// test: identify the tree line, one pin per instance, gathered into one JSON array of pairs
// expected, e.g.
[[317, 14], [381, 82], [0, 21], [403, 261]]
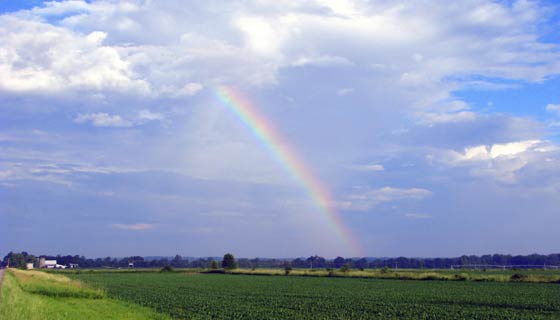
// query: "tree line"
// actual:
[[18, 260]]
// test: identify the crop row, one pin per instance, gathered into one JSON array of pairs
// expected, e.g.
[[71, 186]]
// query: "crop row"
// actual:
[[244, 297]]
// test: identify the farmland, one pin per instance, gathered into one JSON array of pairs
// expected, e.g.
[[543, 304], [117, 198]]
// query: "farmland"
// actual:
[[227, 296], [32, 295]]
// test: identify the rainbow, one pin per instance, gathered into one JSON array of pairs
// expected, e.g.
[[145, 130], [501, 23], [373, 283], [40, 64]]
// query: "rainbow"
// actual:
[[264, 132]]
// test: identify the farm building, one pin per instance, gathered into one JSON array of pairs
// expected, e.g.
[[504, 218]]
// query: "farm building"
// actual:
[[29, 266], [51, 264]]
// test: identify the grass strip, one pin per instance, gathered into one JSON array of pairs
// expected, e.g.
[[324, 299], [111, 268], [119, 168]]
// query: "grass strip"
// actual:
[[33, 299]]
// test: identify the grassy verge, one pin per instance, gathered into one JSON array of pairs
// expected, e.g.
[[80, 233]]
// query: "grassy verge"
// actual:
[[124, 271], [402, 274], [37, 295], [54, 286], [527, 275]]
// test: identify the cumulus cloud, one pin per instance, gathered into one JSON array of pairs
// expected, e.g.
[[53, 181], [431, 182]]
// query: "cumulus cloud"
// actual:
[[365, 198], [510, 150], [37, 56], [502, 161], [274, 37]]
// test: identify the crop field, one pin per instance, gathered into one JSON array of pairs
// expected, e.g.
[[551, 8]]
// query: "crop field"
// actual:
[[227, 296]]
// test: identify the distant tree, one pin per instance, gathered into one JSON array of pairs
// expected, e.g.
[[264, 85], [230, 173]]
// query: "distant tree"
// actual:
[[361, 263], [213, 265], [338, 262], [166, 269], [287, 270], [316, 262], [345, 267], [177, 262], [299, 263], [228, 262], [16, 260]]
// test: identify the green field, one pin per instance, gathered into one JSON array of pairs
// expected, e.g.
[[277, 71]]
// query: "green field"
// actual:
[[33, 295], [226, 296]]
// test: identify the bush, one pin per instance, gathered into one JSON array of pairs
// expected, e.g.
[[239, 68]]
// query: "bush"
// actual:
[[385, 269], [166, 269], [216, 271], [459, 277], [345, 267], [518, 277], [213, 265], [287, 270]]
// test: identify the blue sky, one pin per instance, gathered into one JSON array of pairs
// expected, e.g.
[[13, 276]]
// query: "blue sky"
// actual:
[[434, 126]]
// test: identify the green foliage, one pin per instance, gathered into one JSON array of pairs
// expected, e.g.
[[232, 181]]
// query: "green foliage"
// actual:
[[166, 269], [287, 270], [460, 277], [19, 260], [518, 277], [213, 265], [385, 269], [201, 296], [228, 262], [345, 267]]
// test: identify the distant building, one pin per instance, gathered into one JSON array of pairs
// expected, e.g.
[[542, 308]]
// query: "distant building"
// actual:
[[73, 266], [51, 264], [41, 262], [29, 266]]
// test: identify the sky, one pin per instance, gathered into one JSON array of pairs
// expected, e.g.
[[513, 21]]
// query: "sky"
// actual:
[[353, 127]]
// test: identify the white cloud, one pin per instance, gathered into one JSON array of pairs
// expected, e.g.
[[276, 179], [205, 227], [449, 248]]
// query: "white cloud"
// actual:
[[344, 91], [191, 89], [124, 46], [368, 167], [261, 36], [435, 118], [508, 150], [147, 115], [34, 166], [96, 37], [501, 161], [36, 56], [417, 216], [512, 148], [133, 227], [365, 198], [553, 108], [322, 61], [103, 120]]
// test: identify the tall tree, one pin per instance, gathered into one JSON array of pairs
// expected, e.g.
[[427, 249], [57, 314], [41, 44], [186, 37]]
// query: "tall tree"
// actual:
[[229, 261]]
